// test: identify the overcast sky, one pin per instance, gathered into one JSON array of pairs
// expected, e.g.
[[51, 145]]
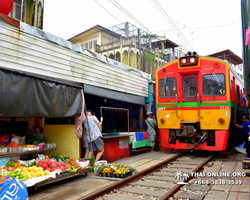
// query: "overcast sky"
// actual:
[[205, 26]]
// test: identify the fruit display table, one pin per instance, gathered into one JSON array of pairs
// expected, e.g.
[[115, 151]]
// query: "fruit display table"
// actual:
[[62, 176]]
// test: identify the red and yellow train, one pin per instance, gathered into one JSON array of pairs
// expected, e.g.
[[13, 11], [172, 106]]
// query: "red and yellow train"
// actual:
[[197, 100]]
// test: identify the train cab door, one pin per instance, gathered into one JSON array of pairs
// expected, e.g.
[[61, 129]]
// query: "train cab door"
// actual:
[[189, 95], [190, 88]]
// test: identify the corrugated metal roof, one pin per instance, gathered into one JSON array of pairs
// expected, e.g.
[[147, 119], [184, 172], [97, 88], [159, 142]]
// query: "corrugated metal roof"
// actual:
[[37, 52], [228, 55]]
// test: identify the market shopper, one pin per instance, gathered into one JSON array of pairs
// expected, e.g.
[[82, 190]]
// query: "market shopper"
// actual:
[[151, 123], [94, 135], [85, 142], [246, 129]]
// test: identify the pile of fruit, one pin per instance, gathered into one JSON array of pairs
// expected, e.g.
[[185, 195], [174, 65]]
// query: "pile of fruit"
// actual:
[[52, 166], [36, 169], [117, 171]]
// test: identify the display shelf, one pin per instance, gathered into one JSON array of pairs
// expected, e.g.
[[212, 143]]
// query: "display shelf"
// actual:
[[19, 153], [62, 177]]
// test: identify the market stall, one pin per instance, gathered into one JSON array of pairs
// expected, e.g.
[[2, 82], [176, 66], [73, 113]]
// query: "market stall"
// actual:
[[116, 144], [116, 147], [44, 170]]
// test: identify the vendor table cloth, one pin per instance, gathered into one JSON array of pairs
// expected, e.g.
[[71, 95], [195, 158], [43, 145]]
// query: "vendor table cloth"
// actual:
[[143, 143]]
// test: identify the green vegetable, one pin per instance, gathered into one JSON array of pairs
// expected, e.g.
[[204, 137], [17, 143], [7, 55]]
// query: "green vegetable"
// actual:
[[10, 164], [25, 178], [59, 157]]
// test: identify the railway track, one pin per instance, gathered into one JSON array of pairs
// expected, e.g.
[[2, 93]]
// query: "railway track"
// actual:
[[161, 181]]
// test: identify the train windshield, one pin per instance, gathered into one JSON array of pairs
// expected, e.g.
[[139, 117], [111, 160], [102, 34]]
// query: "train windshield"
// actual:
[[213, 84], [167, 87]]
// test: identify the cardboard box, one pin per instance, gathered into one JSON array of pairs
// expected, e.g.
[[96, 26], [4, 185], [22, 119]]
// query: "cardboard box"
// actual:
[[3, 161], [132, 137]]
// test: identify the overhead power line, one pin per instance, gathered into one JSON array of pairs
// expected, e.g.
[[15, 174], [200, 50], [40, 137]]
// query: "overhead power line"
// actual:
[[129, 15], [202, 27], [107, 11], [171, 23]]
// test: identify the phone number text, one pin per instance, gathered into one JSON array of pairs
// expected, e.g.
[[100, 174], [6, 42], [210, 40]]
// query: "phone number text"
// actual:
[[218, 182]]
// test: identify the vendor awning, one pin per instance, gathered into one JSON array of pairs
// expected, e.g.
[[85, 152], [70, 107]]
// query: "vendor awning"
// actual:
[[29, 96], [111, 94]]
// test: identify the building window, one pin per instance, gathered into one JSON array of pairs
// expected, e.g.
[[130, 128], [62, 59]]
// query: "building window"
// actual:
[[86, 46], [95, 42], [90, 45], [17, 9]]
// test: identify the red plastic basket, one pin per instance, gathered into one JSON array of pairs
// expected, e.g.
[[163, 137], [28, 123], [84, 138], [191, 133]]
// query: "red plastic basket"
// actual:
[[40, 146]]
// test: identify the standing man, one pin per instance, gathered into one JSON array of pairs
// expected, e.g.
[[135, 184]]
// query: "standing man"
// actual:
[[245, 127], [94, 135], [151, 123]]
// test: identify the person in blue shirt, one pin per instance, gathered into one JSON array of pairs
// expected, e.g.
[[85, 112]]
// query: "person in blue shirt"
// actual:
[[246, 129]]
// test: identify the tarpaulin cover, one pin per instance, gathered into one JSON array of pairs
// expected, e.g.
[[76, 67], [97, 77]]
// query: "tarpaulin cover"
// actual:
[[245, 18], [27, 96], [111, 94], [12, 188]]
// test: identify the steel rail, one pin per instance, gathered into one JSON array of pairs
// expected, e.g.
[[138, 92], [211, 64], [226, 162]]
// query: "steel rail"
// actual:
[[126, 180], [173, 190]]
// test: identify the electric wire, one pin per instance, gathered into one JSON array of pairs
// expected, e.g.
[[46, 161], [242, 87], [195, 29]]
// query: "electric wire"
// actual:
[[172, 23], [107, 11], [203, 27], [129, 15]]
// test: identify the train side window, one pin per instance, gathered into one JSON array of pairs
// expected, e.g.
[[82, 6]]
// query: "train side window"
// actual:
[[237, 94], [214, 85], [167, 87]]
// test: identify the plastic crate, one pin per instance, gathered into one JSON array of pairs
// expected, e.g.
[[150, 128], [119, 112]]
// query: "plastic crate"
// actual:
[[145, 135], [122, 175], [14, 149], [106, 174], [3, 150], [139, 136], [51, 145]]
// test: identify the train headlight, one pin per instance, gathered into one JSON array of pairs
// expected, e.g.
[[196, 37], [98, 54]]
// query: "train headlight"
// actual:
[[221, 121], [192, 60], [188, 61], [183, 61], [162, 120]]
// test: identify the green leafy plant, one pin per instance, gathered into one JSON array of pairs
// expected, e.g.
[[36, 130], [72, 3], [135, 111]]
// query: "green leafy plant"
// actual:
[[38, 138], [149, 58]]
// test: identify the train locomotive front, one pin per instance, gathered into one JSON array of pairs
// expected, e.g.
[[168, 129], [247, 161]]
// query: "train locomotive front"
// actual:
[[197, 100]]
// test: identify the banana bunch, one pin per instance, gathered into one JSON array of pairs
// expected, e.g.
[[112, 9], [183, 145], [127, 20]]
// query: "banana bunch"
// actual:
[[17, 174]]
